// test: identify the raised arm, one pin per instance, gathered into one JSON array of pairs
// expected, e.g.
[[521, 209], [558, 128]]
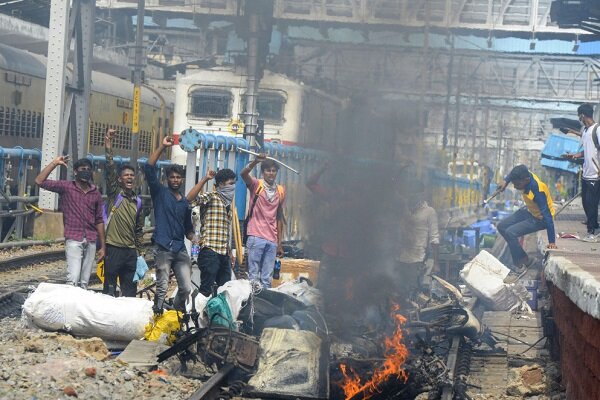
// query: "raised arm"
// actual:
[[246, 171], [166, 143], [112, 183], [199, 187], [43, 175]]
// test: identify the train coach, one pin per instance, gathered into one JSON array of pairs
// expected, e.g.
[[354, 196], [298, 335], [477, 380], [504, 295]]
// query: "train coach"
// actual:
[[22, 87], [212, 101]]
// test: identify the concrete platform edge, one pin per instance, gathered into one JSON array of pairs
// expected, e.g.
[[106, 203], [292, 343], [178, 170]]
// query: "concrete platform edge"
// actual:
[[579, 286]]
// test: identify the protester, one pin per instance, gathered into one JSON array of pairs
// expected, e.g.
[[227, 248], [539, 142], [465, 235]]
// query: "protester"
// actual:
[[124, 225], [173, 223], [265, 220], [81, 205], [590, 178], [420, 233], [214, 259], [538, 215]]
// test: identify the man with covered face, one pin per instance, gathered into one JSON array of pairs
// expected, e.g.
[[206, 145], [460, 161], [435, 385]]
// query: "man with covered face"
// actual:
[[214, 258], [173, 223], [265, 220], [124, 225], [81, 205], [419, 233]]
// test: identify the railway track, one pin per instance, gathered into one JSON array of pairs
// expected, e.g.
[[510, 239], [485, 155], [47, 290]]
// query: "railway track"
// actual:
[[31, 259]]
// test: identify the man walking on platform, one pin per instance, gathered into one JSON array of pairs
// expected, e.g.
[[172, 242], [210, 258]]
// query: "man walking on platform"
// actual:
[[214, 259], [264, 221], [173, 222], [81, 205], [538, 215], [590, 179], [124, 225]]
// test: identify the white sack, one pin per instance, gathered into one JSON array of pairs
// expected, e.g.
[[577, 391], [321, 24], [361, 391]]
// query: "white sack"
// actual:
[[86, 313], [484, 276], [237, 292]]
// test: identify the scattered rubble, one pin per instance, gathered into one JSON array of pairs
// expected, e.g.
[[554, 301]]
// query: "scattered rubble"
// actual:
[[48, 365]]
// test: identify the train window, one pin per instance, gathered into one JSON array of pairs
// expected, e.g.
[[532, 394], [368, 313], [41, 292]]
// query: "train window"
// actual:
[[145, 142], [210, 103], [270, 107]]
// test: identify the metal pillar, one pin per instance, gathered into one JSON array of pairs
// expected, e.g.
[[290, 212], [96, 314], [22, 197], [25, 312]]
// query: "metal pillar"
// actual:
[[66, 114], [252, 80], [138, 66]]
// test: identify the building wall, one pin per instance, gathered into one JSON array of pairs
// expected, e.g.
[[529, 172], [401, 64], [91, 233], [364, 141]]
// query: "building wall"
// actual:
[[579, 347]]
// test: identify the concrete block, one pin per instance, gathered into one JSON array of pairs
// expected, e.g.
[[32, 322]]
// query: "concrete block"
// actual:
[[48, 225]]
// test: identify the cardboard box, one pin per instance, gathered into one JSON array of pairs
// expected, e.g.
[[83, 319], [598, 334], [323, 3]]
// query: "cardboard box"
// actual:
[[294, 268]]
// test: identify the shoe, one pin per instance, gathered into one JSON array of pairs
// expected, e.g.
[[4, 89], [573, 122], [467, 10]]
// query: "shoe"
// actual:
[[590, 238]]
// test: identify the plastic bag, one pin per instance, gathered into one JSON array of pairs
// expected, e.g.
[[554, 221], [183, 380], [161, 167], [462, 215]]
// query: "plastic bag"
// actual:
[[164, 327]]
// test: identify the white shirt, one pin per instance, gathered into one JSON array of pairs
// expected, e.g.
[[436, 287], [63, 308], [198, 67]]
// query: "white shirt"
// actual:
[[423, 232], [590, 153]]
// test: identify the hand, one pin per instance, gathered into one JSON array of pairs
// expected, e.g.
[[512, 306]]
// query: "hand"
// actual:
[[100, 253], [232, 260], [279, 250], [61, 160], [168, 141], [210, 174], [568, 156], [552, 246], [260, 158], [110, 134]]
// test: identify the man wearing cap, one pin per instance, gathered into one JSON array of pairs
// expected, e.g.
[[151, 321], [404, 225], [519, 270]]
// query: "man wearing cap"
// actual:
[[538, 215]]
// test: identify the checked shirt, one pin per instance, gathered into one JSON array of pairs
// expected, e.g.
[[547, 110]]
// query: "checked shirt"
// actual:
[[216, 222]]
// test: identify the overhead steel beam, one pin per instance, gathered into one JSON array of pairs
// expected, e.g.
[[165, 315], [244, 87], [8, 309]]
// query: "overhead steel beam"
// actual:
[[449, 14]]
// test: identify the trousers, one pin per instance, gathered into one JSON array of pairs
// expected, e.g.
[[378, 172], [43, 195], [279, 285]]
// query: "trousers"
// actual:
[[121, 263], [261, 260], [520, 223], [180, 263], [80, 260], [590, 196]]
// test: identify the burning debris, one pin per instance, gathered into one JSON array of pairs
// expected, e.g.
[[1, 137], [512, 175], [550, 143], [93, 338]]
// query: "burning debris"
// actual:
[[395, 355]]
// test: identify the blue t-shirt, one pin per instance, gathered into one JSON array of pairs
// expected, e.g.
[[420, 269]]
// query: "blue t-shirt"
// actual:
[[173, 217]]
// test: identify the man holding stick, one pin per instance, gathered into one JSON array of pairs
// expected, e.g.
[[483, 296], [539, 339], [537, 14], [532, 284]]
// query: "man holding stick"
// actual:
[[590, 180]]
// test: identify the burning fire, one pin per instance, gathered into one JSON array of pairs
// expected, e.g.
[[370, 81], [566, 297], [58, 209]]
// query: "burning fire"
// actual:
[[395, 354]]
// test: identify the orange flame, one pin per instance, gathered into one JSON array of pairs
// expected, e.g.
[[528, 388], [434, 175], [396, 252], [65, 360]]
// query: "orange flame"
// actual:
[[395, 354]]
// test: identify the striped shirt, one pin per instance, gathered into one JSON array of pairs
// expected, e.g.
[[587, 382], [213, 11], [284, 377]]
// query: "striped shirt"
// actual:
[[82, 211], [216, 222]]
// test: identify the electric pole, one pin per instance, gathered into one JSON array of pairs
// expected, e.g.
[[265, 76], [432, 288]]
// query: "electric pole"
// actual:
[[138, 67]]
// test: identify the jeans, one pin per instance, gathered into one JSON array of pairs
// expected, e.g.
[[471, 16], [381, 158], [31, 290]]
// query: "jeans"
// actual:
[[590, 196], [516, 225], [120, 262], [181, 265], [214, 268], [80, 260], [261, 260]]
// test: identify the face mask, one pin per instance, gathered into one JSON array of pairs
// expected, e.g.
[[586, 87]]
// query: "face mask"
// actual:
[[227, 192], [84, 175]]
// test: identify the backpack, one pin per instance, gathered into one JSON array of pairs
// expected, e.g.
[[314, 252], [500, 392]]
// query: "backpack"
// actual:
[[107, 215], [259, 189]]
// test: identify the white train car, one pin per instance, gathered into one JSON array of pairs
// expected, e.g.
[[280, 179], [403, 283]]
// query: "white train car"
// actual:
[[294, 113]]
